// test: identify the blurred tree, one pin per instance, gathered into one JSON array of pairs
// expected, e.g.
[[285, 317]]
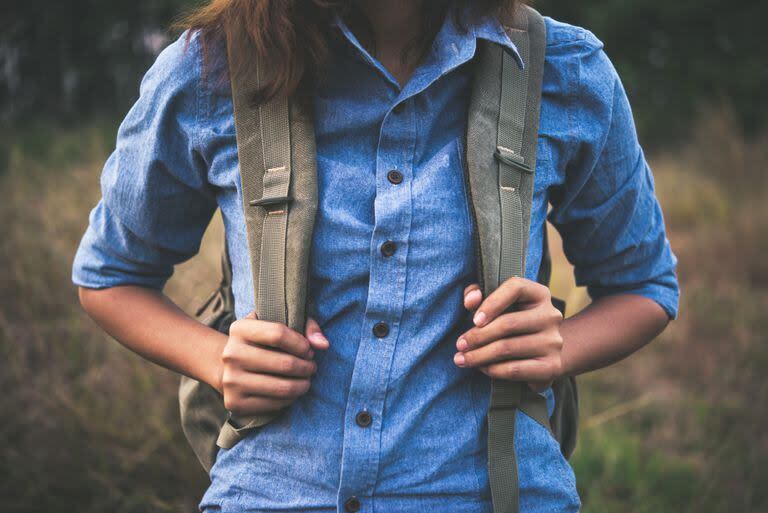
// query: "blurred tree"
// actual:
[[73, 57], [70, 58]]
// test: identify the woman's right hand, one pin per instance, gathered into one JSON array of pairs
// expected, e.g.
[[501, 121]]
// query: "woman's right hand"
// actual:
[[266, 366]]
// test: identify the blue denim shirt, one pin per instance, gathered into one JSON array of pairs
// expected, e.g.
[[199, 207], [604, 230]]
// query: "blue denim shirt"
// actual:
[[425, 450]]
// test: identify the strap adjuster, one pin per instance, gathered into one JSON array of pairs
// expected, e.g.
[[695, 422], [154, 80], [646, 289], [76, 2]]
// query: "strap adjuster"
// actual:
[[510, 158], [270, 200]]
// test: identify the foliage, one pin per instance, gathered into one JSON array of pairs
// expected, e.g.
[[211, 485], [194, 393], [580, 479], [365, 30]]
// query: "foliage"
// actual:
[[84, 56], [69, 58]]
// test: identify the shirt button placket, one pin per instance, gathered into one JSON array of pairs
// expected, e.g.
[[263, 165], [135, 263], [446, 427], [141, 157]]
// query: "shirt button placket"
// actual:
[[384, 306]]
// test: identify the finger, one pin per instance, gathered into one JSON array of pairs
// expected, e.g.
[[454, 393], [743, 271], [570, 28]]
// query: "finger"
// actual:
[[263, 360], [241, 405], [264, 385], [315, 335], [272, 334], [524, 346], [514, 290], [510, 324], [521, 370], [252, 315], [473, 296]]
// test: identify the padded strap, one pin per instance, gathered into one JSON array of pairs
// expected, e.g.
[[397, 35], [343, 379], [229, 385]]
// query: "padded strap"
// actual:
[[516, 155]]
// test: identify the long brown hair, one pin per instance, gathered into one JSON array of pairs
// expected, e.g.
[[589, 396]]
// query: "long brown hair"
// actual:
[[293, 36]]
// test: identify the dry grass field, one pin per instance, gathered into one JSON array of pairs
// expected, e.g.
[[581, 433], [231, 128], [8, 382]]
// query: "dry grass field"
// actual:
[[680, 427]]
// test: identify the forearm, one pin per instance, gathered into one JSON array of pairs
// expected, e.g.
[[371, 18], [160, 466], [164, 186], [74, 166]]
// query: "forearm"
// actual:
[[148, 323], [609, 330]]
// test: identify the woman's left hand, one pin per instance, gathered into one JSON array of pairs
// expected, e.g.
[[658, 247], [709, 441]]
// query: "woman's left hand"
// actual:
[[521, 345]]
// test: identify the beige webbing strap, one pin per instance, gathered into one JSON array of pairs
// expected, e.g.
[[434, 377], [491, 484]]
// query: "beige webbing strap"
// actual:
[[270, 296], [274, 127], [264, 154], [515, 153]]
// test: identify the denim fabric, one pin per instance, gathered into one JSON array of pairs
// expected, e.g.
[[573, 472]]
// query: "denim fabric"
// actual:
[[425, 450]]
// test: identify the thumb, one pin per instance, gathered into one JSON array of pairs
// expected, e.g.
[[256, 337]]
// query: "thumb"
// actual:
[[315, 336]]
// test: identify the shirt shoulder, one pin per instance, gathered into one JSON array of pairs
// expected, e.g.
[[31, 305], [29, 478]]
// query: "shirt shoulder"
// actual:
[[176, 71], [580, 80], [564, 34], [573, 51], [188, 82]]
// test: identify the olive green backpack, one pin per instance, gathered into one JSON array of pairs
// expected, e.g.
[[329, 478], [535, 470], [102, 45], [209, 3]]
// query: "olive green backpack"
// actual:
[[276, 150]]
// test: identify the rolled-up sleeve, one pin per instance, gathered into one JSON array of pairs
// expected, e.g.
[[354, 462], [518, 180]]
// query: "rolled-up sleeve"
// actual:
[[607, 211], [156, 200]]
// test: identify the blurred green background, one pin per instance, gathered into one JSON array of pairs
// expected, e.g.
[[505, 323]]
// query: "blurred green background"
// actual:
[[679, 427]]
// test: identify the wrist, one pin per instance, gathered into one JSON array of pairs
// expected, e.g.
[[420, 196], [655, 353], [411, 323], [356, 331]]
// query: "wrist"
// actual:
[[213, 366]]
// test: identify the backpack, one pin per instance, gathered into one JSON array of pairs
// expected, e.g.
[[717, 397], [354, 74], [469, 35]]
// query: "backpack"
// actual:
[[276, 151]]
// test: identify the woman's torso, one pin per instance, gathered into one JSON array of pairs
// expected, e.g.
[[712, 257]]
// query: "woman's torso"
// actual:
[[425, 449]]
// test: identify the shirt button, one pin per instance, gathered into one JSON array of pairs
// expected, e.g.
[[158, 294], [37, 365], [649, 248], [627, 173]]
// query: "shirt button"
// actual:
[[388, 248], [395, 177], [352, 505], [363, 419], [380, 329]]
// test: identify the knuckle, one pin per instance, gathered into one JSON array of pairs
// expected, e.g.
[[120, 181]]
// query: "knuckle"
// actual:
[[557, 339], [229, 353], [274, 334], [231, 403], [303, 387], [284, 389], [288, 366], [228, 379], [512, 371], [509, 323], [506, 347], [236, 327]]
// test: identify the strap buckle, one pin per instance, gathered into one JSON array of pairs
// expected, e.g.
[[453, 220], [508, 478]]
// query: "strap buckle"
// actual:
[[269, 201], [510, 158]]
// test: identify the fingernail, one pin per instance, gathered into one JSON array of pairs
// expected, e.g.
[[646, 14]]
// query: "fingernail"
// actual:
[[479, 318], [474, 295], [459, 359], [462, 345], [318, 338]]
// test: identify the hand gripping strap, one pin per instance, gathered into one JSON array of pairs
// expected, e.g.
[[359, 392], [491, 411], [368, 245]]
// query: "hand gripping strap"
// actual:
[[516, 156]]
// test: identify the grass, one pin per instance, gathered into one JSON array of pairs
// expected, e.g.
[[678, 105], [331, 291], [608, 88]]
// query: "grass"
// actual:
[[678, 427]]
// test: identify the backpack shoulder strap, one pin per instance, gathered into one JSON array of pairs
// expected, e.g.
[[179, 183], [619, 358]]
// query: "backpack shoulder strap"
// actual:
[[505, 102], [276, 153], [264, 154], [278, 178]]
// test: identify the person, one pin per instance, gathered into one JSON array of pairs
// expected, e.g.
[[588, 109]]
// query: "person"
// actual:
[[403, 334]]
